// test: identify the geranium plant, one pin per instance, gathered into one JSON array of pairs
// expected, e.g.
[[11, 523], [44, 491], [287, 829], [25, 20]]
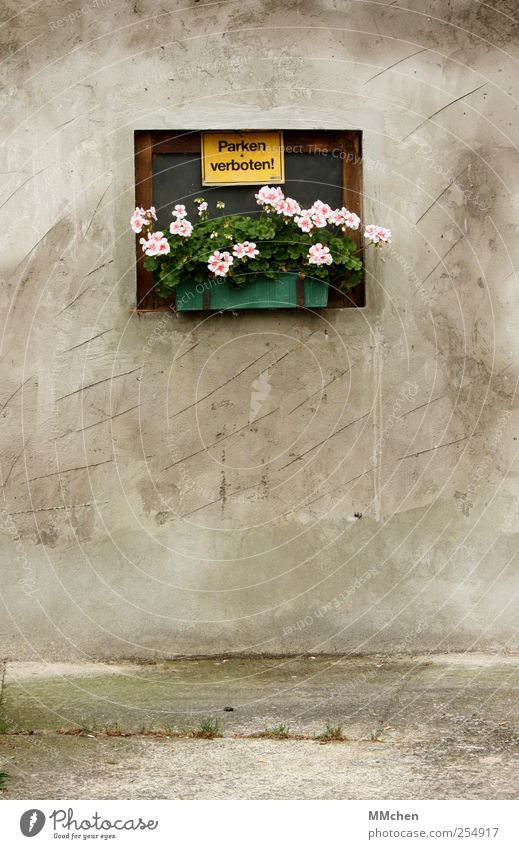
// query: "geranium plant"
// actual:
[[283, 238]]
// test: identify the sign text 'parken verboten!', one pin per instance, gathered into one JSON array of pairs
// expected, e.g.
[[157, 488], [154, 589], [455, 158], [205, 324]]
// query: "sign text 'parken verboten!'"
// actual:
[[242, 158]]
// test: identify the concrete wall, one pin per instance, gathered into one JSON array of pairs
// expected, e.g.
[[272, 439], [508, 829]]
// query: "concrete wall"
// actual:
[[141, 514]]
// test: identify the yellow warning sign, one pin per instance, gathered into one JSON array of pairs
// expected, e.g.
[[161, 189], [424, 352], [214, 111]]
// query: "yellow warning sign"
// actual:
[[242, 159]]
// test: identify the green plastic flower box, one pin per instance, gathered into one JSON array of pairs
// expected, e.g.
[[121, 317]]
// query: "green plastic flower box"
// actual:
[[260, 293]]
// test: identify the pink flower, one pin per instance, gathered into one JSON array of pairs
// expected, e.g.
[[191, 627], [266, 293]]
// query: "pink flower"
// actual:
[[377, 235], [304, 221], [239, 250], [245, 249], [318, 218], [162, 246], [202, 207], [137, 221], [251, 249], [142, 218], [219, 263], [269, 196], [288, 207], [181, 227], [319, 255], [351, 219], [336, 217], [322, 208], [179, 211], [155, 245]]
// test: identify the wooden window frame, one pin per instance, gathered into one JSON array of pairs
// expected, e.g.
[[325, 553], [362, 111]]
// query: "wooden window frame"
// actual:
[[347, 144]]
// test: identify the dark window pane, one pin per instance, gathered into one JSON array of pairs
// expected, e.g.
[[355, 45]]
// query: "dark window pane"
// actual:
[[177, 179]]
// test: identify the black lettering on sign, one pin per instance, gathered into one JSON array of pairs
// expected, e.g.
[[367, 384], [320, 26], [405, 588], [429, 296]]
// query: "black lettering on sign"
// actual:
[[232, 147], [236, 165]]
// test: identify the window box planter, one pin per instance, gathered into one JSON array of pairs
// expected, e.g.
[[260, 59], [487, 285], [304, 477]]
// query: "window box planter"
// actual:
[[246, 274], [286, 291]]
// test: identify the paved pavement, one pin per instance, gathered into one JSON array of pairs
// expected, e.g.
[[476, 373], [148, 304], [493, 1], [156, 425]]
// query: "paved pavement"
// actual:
[[416, 727]]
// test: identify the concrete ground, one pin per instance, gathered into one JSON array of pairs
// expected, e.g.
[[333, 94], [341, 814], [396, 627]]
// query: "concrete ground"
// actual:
[[415, 727]]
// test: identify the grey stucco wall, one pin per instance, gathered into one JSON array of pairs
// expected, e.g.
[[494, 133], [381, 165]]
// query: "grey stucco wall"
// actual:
[[141, 514]]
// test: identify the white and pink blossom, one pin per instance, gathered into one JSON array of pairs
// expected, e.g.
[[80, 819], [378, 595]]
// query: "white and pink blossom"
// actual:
[[344, 218], [245, 249], [322, 208], [219, 263], [137, 221], [304, 221], [156, 244], [251, 249], [202, 207], [318, 218], [351, 219], [142, 218], [287, 207], [319, 255], [179, 211], [269, 196], [336, 217], [181, 227], [377, 235], [239, 250]]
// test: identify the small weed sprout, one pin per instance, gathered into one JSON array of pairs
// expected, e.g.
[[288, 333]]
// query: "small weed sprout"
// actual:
[[332, 732], [208, 728], [281, 732]]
